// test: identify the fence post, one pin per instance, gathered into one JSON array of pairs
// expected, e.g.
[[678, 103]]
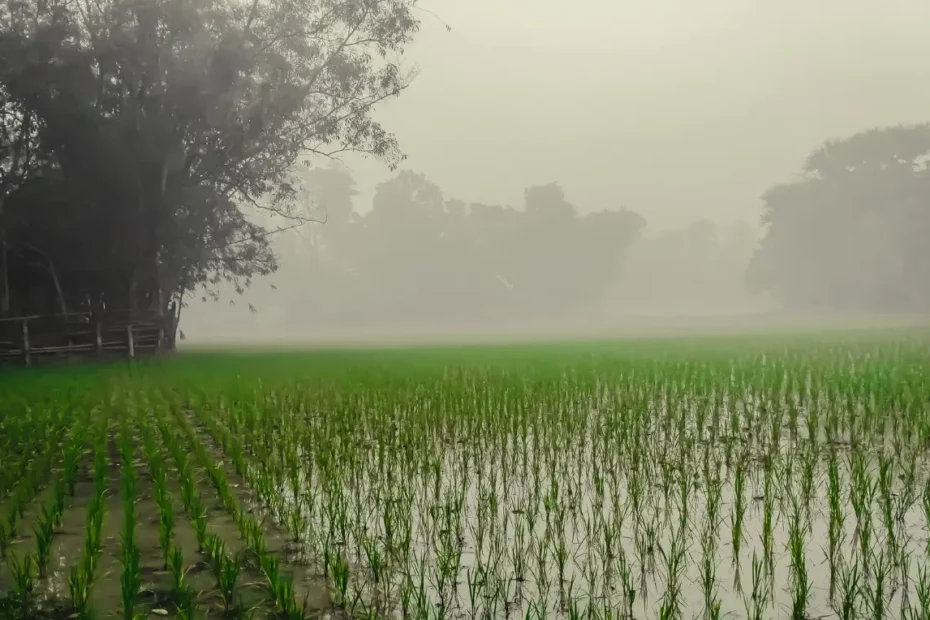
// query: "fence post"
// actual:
[[98, 336], [160, 345], [26, 357], [132, 343]]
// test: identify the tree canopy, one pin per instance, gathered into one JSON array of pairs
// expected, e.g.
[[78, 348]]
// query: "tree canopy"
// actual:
[[850, 233], [145, 143]]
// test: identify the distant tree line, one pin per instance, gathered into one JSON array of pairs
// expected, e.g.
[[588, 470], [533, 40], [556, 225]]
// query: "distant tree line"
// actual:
[[417, 255], [849, 234]]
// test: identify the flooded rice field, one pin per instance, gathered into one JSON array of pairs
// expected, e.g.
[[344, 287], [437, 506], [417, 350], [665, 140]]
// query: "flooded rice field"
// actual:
[[743, 477]]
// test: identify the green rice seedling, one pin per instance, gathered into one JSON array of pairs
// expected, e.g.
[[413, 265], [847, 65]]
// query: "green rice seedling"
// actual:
[[862, 494], [6, 537], [298, 523], [712, 500], [859, 481], [57, 503], [904, 565], [537, 610], [592, 572], [923, 593], [908, 495], [864, 527], [406, 597], [885, 481], [835, 532], [44, 530], [768, 525], [540, 568], [289, 607], [81, 575], [376, 560], [809, 460], [130, 579], [177, 572], [813, 426], [186, 604], [476, 580], [801, 586], [560, 553], [281, 587], [518, 553], [71, 462], [926, 509], [200, 523], [254, 536], [667, 470], [23, 574], [674, 563], [850, 587], [756, 602], [447, 563], [227, 576], [79, 580], [876, 594], [738, 510], [214, 548], [708, 576], [93, 538], [130, 554], [165, 529], [186, 481], [573, 608]]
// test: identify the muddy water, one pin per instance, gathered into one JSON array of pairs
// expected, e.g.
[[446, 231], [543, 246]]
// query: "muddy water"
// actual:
[[52, 595], [552, 596], [24, 540], [69, 541], [309, 585], [591, 581]]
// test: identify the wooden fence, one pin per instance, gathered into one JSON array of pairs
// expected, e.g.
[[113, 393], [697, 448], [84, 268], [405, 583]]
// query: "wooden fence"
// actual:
[[31, 339]]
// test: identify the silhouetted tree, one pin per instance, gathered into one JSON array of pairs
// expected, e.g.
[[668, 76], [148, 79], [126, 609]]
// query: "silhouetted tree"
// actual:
[[160, 134], [851, 233]]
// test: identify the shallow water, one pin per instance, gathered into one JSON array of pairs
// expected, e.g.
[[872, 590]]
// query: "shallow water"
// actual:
[[481, 501]]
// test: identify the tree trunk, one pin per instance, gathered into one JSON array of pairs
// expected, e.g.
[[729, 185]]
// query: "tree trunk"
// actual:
[[4, 272], [49, 266], [4, 191], [174, 316]]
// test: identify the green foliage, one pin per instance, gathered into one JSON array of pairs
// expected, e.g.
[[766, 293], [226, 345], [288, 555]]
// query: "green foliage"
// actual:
[[169, 132]]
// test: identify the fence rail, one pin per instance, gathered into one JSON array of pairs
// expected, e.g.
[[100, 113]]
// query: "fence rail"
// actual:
[[29, 339]]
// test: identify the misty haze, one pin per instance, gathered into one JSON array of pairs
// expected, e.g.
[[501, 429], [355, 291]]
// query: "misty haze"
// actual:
[[471, 310], [609, 165]]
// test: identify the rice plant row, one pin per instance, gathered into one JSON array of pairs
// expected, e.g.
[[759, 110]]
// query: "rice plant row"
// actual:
[[753, 478]]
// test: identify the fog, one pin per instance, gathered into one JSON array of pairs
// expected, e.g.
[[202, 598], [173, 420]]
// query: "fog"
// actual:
[[607, 165]]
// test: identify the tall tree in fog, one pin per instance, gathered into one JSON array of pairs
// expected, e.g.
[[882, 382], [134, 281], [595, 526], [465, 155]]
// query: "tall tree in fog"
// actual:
[[563, 258], [851, 233], [164, 133]]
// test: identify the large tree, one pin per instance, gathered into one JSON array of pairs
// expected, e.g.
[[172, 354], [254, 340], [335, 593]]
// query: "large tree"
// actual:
[[163, 135], [850, 234]]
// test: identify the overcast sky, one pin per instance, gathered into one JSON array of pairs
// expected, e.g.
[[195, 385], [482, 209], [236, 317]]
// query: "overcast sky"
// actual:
[[678, 109]]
